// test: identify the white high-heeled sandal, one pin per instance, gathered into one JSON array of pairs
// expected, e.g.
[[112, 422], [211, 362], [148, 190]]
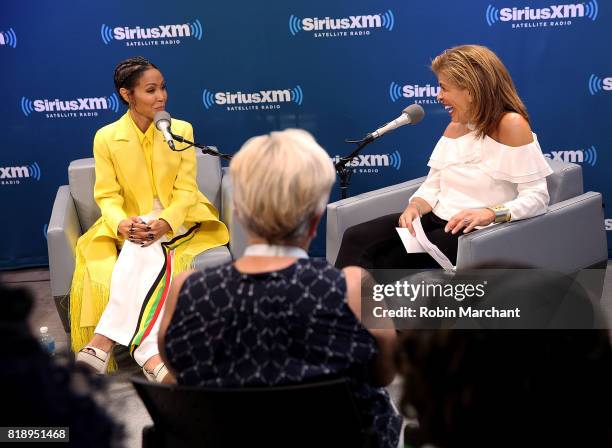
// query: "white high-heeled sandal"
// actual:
[[98, 361], [159, 373]]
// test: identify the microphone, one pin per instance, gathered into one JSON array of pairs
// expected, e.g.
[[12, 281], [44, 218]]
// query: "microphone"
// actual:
[[162, 123], [411, 115]]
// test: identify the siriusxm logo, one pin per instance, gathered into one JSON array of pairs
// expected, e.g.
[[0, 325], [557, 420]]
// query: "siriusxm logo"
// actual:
[[11, 175], [597, 84], [343, 26], [588, 155], [263, 99], [79, 107], [158, 35], [423, 94], [367, 161], [553, 15], [8, 38]]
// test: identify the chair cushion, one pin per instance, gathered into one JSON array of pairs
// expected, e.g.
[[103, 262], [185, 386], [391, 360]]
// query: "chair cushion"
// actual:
[[209, 178], [565, 182], [212, 257], [81, 177]]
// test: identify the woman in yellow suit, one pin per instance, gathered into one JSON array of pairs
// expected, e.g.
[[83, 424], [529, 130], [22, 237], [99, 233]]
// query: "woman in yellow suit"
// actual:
[[154, 222]]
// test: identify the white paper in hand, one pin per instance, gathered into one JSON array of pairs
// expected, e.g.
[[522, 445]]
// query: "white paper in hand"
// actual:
[[411, 244], [424, 245]]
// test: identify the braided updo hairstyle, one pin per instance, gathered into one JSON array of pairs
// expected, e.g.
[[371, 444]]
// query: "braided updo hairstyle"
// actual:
[[128, 72]]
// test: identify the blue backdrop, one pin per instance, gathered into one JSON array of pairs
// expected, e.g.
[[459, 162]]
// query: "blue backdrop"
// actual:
[[337, 69]]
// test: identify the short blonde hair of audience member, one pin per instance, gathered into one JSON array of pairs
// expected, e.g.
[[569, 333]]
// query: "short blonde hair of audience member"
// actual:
[[486, 78], [281, 181]]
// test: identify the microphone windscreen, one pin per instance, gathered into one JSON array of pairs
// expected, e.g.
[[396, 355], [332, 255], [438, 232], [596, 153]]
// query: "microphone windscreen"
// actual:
[[161, 116], [415, 112]]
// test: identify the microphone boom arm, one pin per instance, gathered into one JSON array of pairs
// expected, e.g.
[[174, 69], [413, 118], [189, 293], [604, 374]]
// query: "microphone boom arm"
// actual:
[[410, 115], [205, 149], [344, 173]]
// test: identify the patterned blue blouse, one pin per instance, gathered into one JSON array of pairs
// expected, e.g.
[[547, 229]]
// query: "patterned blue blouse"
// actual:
[[233, 329]]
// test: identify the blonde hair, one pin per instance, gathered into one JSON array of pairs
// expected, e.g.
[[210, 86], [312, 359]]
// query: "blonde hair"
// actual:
[[483, 74], [280, 182]]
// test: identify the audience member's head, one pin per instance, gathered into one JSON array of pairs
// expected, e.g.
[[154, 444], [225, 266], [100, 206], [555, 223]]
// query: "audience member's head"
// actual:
[[39, 392], [281, 185], [543, 380], [507, 387]]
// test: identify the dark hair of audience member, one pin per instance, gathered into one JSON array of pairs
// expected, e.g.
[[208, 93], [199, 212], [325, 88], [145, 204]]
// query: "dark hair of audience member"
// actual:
[[509, 388], [37, 391]]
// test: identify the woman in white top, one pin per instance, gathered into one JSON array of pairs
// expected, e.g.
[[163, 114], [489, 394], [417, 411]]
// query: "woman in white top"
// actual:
[[487, 167]]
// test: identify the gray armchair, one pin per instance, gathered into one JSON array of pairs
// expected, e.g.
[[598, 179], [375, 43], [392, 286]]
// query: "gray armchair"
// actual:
[[569, 237], [75, 210]]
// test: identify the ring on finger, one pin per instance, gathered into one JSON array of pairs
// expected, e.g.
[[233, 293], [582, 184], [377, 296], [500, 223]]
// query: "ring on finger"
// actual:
[[466, 220]]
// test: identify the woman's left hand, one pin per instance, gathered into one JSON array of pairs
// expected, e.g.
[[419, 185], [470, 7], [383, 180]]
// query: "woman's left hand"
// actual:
[[469, 219], [156, 228]]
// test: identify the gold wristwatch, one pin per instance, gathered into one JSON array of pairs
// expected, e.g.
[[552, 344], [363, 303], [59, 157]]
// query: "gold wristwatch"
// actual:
[[502, 213]]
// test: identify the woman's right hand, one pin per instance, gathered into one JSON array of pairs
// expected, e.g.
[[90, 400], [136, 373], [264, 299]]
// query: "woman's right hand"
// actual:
[[406, 218], [134, 230]]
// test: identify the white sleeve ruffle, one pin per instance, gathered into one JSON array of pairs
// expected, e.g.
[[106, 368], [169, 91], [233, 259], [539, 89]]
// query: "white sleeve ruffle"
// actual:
[[518, 165], [452, 151]]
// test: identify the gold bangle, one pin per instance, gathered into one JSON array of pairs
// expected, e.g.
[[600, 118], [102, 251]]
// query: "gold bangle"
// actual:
[[501, 212]]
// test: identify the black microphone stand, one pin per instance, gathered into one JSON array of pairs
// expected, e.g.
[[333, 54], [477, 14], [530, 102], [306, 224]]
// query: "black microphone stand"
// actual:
[[205, 149], [345, 173]]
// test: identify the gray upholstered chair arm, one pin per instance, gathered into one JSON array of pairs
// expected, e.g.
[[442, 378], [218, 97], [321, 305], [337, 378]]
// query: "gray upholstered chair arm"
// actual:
[[238, 236], [62, 234], [566, 182], [364, 207], [570, 236]]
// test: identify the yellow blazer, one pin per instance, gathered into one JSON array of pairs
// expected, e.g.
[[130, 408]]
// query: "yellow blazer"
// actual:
[[122, 190], [123, 187]]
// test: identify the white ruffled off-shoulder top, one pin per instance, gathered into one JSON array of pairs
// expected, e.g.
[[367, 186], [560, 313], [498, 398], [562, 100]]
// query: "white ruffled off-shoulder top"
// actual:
[[470, 172]]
